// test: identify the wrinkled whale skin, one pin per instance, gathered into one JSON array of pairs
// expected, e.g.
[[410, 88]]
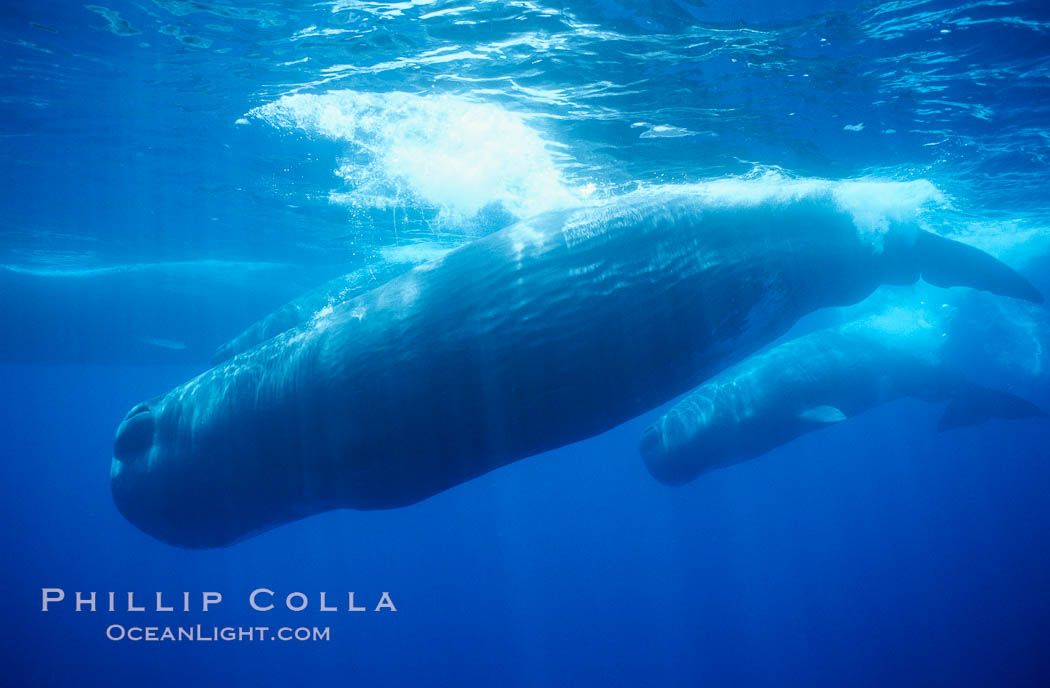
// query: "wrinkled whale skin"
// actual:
[[301, 309]]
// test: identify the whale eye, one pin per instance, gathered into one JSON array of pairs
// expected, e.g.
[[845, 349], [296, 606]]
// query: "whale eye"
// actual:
[[135, 435]]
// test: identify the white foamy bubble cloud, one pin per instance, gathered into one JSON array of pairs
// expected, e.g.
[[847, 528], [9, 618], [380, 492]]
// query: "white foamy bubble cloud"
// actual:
[[443, 151], [876, 204]]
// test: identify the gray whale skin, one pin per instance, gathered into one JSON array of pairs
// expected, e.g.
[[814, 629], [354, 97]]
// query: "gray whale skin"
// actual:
[[544, 333]]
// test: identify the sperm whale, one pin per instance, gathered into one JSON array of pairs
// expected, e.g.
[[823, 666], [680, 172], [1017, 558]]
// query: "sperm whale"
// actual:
[[544, 333]]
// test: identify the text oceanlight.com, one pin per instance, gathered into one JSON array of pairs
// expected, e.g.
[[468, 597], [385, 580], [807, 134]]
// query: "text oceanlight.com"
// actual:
[[200, 633]]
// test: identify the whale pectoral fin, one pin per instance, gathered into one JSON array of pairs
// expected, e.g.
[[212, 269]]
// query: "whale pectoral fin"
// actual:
[[979, 404], [947, 263], [824, 415]]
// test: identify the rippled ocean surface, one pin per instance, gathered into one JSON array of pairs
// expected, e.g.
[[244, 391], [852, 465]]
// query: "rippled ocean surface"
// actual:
[[174, 170]]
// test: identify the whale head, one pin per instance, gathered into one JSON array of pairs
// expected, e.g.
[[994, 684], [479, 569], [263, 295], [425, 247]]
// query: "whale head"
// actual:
[[187, 472], [171, 498], [663, 455], [136, 452], [709, 429]]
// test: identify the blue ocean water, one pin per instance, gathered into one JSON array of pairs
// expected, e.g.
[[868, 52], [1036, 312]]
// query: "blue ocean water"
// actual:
[[174, 170]]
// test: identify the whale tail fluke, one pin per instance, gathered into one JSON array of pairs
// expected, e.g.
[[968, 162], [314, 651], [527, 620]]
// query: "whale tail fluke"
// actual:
[[947, 263], [978, 404]]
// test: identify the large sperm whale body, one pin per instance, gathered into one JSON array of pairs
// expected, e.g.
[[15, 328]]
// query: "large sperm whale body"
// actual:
[[817, 380], [541, 334]]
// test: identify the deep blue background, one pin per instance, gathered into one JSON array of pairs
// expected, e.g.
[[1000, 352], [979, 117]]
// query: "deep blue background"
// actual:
[[872, 553], [876, 552]]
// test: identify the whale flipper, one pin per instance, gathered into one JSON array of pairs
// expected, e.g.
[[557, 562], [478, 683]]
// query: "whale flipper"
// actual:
[[978, 404], [825, 415], [947, 263]]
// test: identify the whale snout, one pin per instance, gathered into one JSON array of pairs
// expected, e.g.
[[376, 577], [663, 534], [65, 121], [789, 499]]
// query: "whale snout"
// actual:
[[135, 435], [186, 493], [663, 462]]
